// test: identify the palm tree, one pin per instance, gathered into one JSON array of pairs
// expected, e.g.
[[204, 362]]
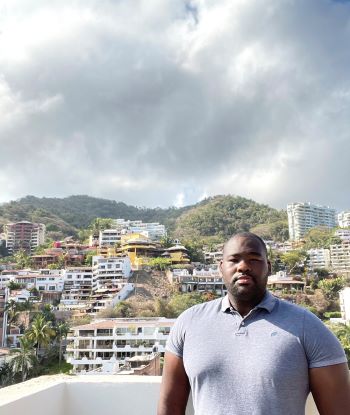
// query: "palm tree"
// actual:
[[62, 330], [6, 377], [40, 332], [25, 358]]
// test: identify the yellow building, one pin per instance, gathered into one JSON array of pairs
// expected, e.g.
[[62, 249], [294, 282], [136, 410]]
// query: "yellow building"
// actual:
[[139, 249], [178, 254]]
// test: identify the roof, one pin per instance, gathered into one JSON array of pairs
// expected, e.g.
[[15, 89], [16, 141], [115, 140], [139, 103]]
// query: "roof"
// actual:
[[115, 322]]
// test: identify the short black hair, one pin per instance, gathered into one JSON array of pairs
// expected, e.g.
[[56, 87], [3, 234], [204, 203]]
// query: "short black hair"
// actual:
[[250, 235]]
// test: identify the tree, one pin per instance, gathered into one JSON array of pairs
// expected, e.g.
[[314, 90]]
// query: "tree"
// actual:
[[13, 312], [123, 309], [100, 224], [62, 330], [166, 241], [88, 258], [12, 285], [320, 237], [294, 260], [22, 259], [6, 376], [332, 287], [181, 302], [25, 358], [159, 263], [41, 332]]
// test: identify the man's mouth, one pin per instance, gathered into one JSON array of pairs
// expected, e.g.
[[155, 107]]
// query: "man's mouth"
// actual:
[[243, 279]]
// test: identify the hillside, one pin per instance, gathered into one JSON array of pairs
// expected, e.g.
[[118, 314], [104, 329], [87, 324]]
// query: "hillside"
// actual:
[[223, 216], [219, 215]]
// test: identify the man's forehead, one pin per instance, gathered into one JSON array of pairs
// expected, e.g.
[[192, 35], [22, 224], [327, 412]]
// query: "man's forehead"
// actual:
[[243, 244]]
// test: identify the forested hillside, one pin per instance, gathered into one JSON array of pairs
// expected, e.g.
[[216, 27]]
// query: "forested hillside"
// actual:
[[222, 216], [218, 216]]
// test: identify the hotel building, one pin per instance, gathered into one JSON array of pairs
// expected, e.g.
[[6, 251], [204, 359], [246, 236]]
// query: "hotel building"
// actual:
[[304, 216]]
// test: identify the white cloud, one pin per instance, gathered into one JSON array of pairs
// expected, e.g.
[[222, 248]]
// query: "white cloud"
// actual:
[[156, 102]]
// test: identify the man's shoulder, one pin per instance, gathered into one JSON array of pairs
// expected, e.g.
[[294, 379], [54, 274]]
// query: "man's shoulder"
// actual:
[[203, 309]]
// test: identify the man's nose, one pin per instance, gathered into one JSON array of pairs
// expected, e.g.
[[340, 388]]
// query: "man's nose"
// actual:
[[243, 266]]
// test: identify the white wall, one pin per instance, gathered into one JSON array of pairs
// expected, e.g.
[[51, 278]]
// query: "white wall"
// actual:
[[88, 395]]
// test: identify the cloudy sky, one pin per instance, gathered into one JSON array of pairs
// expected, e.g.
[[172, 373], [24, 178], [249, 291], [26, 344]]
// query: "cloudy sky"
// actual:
[[165, 102]]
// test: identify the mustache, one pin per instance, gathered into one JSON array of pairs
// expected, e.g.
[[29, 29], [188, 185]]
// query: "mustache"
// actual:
[[242, 275]]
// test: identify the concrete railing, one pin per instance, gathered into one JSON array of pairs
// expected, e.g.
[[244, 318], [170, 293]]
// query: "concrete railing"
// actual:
[[89, 395]]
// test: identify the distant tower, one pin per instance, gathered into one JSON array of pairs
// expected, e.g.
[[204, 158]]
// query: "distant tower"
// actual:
[[304, 216], [24, 235]]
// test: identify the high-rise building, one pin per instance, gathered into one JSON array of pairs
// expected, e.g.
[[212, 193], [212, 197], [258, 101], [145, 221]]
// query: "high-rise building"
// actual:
[[24, 235], [344, 219], [304, 216]]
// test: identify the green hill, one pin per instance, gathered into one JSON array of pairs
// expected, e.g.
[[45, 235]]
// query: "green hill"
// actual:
[[222, 216], [218, 216]]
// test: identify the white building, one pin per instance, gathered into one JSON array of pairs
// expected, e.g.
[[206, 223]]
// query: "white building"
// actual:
[[201, 281], [155, 230], [49, 280], [344, 219], [319, 258], [304, 216], [343, 234], [212, 257], [344, 301], [340, 256], [110, 271], [114, 341], [109, 237], [77, 287]]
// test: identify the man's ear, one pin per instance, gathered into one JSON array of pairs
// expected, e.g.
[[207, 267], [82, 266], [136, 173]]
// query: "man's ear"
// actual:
[[269, 267], [220, 268]]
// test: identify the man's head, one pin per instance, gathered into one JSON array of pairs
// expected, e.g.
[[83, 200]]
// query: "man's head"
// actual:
[[245, 268]]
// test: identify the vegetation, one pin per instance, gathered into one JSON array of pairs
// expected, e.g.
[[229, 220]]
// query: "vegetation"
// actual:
[[223, 216], [320, 237], [159, 263], [220, 216]]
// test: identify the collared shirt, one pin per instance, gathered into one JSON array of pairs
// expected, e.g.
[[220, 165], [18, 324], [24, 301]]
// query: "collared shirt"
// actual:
[[256, 365]]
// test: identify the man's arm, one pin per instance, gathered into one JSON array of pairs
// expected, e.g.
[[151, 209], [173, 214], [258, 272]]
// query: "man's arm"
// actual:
[[330, 387], [175, 387]]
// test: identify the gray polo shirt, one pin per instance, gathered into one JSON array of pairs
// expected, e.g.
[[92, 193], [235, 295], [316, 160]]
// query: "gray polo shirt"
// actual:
[[256, 365]]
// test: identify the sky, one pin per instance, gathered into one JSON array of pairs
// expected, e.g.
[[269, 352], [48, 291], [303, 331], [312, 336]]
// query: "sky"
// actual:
[[164, 103]]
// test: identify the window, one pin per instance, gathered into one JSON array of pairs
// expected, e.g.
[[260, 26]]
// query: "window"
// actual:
[[52, 288]]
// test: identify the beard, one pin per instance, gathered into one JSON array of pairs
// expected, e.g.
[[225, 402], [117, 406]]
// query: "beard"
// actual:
[[251, 294]]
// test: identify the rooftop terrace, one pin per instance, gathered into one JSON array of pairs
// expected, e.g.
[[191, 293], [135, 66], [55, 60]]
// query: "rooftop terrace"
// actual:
[[89, 395]]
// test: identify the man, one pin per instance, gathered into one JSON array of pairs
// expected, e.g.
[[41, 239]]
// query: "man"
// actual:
[[251, 353]]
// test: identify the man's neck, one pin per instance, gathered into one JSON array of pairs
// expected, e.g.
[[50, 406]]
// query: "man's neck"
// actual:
[[244, 306]]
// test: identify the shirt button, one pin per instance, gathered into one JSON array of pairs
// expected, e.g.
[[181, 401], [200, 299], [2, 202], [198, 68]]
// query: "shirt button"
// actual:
[[242, 323]]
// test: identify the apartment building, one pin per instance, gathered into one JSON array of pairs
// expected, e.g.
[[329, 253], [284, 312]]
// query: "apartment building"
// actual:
[[343, 234], [24, 235], [212, 257], [109, 296], [110, 271], [200, 281], [344, 301], [319, 258], [340, 257], [77, 288], [109, 237], [304, 216], [108, 344], [344, 219], [49, 280], [153, 230]]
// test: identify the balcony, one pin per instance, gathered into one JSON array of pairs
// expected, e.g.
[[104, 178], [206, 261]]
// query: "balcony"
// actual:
[[89, 395]]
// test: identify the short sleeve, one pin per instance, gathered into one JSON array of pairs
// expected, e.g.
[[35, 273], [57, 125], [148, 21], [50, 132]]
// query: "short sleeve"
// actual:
[[176, 339], [321, 345]]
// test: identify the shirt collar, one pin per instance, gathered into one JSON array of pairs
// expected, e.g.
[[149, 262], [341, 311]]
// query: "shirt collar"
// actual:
[[268, 303]]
